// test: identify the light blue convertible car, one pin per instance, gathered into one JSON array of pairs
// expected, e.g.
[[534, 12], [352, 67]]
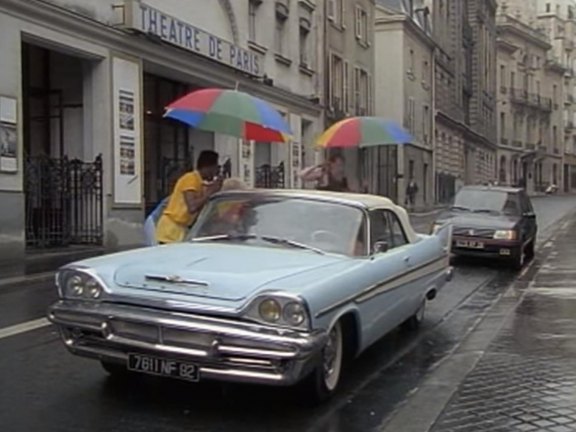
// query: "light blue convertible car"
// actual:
[[271, 287]]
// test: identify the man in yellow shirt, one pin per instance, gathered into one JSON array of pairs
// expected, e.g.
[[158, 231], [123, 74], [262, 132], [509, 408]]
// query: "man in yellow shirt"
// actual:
[[188, 197]]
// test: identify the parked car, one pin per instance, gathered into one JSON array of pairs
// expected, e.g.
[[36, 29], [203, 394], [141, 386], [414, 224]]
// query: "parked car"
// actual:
[[270, 287], [492, 222]]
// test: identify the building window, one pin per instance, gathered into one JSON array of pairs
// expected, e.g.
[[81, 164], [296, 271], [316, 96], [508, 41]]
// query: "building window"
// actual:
[[425, 72], [280, 39], [410, 115], [253, 7], [336, 82], [555, 94], [502, 126], [426, 124], [411, 64], [361, 25], [304, 46], [361, 91], [335, 11]]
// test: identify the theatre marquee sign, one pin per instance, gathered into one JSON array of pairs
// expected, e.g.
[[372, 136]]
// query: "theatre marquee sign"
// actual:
[[146, 19]]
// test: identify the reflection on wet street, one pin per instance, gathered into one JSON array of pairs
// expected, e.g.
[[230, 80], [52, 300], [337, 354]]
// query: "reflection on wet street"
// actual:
[[527, 380], [46, 389]]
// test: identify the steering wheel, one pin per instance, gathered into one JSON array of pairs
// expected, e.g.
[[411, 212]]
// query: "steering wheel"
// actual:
[[326, 237]]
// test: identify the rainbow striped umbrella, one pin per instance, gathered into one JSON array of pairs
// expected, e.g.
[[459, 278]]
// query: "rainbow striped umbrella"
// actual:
[[230, 112], [363, 132]]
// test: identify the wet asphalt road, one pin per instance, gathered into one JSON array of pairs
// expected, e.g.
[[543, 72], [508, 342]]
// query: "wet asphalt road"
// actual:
[[43, 388]]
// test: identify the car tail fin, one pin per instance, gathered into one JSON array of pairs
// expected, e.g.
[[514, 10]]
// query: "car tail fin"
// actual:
[[444, 234]]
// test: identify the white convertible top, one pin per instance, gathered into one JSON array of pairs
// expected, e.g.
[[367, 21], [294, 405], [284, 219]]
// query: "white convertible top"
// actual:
[[367, 201]]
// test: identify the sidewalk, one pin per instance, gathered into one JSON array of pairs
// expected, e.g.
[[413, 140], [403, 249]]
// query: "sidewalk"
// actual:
[[523, 376]]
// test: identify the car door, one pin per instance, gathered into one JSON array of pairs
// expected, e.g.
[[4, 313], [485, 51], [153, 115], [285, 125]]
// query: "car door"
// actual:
[[383, 306]]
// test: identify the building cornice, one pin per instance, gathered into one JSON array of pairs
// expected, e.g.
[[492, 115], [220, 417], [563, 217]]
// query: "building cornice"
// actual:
[[507, 46], [407, 23], [508, 24], [466, 130], [63, 20]]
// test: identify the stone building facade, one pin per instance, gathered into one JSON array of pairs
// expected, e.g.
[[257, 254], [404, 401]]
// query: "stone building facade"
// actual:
[[349, 74], [404, 92], [83, 88], [465, 95], [530, 106]]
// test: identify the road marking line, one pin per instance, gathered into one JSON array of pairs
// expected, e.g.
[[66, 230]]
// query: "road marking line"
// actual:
[[23, 328]]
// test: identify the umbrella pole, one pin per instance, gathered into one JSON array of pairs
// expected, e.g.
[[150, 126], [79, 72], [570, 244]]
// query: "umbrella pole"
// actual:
[[237, 86]]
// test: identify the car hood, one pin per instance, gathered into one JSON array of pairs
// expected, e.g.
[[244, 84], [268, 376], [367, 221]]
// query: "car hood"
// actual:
[[479, 220], [214, 271]]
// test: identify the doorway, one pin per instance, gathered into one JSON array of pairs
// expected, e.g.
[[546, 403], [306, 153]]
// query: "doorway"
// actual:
[[63, 192]]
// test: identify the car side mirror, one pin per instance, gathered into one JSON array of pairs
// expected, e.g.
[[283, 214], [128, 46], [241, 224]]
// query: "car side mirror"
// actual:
[[381, 247], [529, 215]]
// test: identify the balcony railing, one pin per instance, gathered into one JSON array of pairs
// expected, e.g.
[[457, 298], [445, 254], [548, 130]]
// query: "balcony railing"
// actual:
[[569, 126], [530, 146], [504, 141], [517, 143], [519, 95]]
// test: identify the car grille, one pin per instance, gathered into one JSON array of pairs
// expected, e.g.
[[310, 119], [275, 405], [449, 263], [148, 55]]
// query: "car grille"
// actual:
[[473, 232]]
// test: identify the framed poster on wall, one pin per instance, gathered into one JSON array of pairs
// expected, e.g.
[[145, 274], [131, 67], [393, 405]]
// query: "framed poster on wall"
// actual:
[[8, 135], [127, 102], [247, 162]]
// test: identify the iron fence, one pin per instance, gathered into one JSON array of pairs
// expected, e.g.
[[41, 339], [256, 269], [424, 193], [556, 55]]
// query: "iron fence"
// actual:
[[271, 177], [63, 201]]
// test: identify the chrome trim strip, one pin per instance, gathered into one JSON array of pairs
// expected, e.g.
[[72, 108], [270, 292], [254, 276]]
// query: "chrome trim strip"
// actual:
[[362, 296]]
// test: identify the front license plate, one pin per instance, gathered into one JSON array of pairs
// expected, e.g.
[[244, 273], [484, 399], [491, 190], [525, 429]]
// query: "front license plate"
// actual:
[[162, 367], [469, 244]]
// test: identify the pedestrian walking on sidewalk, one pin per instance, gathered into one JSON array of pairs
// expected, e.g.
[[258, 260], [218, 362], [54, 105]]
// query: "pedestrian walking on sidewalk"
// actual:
[[411, 191]]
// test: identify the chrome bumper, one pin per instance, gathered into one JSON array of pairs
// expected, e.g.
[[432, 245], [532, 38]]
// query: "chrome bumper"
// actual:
[[223, 349]]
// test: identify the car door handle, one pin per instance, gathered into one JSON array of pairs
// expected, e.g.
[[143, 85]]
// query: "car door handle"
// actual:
[[407, 260]]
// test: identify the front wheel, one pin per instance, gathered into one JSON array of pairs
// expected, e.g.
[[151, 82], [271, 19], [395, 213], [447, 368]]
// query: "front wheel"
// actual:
[[519, 258], [323, 381]]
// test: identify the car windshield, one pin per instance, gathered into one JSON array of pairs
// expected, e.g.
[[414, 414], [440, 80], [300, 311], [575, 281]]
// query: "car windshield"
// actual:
[[254, 219], [486, 201]]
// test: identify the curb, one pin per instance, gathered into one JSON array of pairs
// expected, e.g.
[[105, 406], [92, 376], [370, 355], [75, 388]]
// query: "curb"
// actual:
[[438, 387]]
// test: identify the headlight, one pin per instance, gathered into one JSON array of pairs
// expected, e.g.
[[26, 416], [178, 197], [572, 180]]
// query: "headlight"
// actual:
[[280, 309], [505, 235], [76, 284], [294, 313], [270, 310]]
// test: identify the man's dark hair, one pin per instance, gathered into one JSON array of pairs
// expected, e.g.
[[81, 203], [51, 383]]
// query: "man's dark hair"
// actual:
[[336, 157], [207, 158]]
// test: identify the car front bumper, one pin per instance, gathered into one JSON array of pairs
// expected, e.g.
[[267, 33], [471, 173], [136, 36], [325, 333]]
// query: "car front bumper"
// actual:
[[222, 348]]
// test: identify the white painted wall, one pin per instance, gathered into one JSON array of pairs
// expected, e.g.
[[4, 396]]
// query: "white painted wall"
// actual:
[[389, 86]]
